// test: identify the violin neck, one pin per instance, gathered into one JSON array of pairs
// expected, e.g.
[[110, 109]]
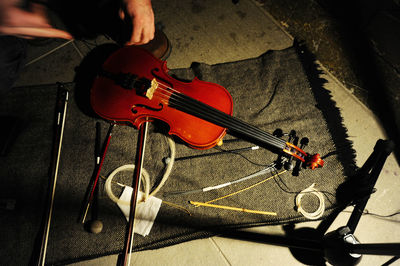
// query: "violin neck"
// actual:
[[234, 125]]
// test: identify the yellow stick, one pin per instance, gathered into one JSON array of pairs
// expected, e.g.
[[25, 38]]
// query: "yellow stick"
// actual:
[[230, 208]]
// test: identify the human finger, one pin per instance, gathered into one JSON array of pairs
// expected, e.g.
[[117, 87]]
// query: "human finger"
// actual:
[[148, 33], [141, 33], [136, 35], [142, 16]]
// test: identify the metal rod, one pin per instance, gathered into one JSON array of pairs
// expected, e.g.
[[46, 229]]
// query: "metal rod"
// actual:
[[278, 240], [126, 254], [266, 170], [99, 164], [385, 249]]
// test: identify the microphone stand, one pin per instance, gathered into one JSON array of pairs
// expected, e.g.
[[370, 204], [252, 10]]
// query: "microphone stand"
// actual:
[[339, 247]]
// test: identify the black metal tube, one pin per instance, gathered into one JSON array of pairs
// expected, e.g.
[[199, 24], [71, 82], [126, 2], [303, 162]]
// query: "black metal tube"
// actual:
[[386, 249], [277, 240], [371, 169]]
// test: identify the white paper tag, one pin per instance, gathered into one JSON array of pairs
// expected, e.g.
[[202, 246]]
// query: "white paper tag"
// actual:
[[146, 212]]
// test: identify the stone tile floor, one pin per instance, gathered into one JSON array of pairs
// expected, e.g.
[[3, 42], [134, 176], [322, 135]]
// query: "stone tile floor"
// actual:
[[217, 32]]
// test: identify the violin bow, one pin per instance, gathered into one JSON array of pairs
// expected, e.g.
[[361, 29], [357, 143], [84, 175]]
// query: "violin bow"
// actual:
[[141, 144], [61, 111]]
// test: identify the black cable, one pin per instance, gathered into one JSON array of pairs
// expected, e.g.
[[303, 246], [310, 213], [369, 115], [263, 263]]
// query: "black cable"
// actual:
[[366, 212], [270, 99], [326, 193], [241, 155]]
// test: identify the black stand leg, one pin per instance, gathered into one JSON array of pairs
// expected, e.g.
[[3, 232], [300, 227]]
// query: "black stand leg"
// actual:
[[370, 172]]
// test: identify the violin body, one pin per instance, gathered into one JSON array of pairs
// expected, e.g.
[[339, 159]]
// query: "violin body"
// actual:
[[118, 95]]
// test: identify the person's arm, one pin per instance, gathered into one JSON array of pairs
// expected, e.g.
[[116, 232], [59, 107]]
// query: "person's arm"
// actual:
[[27, 24], [142, 16]]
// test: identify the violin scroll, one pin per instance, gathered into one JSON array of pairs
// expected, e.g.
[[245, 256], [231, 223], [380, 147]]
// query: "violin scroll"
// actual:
[[314, 161]]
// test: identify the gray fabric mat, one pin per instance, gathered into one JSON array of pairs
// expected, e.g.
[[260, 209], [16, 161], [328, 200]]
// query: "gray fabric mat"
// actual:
[[270, 92]]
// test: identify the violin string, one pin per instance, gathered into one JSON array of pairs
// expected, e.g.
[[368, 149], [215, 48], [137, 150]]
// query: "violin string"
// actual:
[[197, 108], [239, 126], [233, 124], [206, 112], [237, 123], [184, 101]]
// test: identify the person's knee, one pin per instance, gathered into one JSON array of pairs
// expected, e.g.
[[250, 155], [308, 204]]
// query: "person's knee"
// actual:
[[12, 59]]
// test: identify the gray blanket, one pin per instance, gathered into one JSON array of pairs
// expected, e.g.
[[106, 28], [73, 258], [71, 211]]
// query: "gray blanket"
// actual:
[[278, 90]]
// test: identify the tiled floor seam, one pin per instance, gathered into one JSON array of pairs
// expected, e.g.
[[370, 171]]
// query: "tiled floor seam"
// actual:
[[220, 251], [77, 49], [269, 16]]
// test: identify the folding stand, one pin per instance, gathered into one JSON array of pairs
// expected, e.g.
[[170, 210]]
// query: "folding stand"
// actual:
[[339, 247]]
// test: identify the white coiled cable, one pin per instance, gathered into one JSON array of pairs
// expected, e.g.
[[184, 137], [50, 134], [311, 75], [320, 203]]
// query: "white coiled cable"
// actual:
[[321, 209], [144, 178]]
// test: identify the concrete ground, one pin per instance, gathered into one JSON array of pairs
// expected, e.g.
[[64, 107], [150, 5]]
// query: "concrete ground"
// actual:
[[216, 32]]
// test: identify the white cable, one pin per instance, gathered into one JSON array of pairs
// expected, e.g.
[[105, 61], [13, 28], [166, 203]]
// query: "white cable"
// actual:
[[145, 177], [168, 170], [320, 211]]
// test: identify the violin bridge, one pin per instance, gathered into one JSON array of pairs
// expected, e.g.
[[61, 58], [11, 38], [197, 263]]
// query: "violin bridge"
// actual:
[[150, 91]]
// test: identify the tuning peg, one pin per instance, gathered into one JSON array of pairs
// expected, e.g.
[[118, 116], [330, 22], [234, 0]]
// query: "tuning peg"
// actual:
[[278, 133], [304, 142], [288, 165], [292, 135]]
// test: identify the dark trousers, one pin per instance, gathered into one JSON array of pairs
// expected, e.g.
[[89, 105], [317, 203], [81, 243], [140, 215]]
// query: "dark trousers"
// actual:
[[12, 60]]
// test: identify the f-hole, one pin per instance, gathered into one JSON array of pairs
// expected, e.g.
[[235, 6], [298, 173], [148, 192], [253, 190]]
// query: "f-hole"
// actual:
[[135, 111]]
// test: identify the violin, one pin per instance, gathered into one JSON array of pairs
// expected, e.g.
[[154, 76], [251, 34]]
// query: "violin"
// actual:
[[134, 87]]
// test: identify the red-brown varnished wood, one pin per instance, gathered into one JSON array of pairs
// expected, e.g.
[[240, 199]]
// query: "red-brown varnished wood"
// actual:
[[115, 103]]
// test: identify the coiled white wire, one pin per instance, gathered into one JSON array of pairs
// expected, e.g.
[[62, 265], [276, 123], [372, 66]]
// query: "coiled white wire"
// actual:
[[145, 177], [311, 215]]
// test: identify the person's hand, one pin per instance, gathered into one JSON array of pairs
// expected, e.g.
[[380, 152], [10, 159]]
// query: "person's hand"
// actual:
[[27, 24], [142, 16]]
